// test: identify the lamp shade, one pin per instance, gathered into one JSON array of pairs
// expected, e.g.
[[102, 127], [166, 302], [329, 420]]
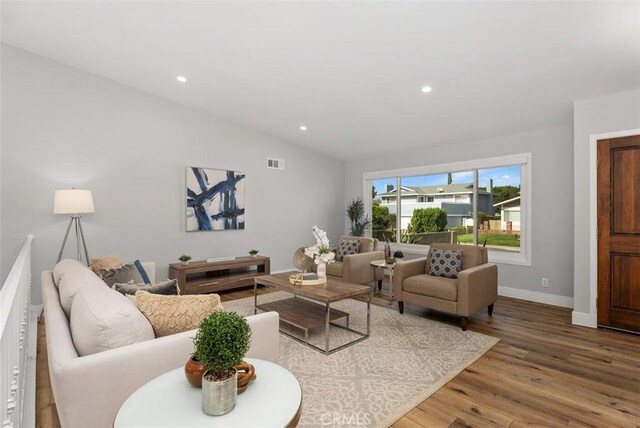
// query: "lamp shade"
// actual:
[[72, 201]]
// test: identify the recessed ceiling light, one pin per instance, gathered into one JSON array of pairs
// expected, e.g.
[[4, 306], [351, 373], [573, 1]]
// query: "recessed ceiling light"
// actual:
[[181, 79], [426, 89], [303, 128]]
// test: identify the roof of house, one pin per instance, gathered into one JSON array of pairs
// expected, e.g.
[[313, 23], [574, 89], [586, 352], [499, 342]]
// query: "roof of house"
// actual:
[[445, 189], [507, 201]]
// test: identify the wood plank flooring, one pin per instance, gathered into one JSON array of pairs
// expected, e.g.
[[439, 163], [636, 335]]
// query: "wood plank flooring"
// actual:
[[544, 372]]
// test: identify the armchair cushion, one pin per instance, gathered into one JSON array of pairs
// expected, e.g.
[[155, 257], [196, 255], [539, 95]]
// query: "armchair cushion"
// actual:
[[335, 269], [445, 263], [432, 286], [346, 248]]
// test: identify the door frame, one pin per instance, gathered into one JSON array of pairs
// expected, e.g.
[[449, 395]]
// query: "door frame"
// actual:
[[592, 319]]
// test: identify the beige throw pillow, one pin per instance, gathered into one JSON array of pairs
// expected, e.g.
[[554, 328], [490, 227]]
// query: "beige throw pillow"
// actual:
[[175, 314], [101, 264]]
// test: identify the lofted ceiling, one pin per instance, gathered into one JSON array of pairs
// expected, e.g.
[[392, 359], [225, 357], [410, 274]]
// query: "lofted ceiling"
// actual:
[[350, 71]]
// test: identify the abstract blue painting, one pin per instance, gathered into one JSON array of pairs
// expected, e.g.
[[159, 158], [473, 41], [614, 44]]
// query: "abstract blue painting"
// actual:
[[215, 199]]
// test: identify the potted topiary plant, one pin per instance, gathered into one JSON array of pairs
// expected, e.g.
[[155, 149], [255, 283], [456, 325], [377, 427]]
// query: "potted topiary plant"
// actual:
[[184, 259], [220, 343], [253, 253]]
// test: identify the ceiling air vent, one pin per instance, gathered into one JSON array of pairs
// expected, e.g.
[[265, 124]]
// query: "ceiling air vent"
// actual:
[[275, 163]]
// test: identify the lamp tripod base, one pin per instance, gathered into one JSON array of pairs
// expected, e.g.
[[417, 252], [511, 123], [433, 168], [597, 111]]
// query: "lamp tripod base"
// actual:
[[75, 221]]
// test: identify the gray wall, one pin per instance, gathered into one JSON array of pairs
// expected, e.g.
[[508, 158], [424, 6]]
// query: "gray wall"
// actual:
[[552, 204], [64, 127], [618, 112]]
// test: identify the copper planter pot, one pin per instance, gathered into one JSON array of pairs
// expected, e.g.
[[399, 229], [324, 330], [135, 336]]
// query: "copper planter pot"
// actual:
[[194, 369]]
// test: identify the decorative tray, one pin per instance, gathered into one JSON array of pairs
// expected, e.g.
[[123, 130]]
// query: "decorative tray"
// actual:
[[306, 279]]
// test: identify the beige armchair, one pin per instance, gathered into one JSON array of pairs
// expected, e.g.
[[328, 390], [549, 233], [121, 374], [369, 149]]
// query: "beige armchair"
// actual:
[[356, 268], [475, 287]]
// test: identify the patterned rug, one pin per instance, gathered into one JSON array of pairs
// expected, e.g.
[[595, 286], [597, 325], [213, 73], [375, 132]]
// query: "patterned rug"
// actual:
[[374, 382]]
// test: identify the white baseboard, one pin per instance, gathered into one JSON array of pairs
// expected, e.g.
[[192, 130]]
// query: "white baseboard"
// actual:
[[534, 296], [584, 319]]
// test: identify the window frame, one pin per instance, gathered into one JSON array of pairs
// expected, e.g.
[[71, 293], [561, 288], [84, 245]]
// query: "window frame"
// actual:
[[523, 257]]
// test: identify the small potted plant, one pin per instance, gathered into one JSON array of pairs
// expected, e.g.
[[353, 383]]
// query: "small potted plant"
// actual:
[[220, 343], [184, 259], [253, 253]]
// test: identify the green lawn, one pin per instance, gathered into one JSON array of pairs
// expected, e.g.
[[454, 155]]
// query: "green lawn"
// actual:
[[493, 239]]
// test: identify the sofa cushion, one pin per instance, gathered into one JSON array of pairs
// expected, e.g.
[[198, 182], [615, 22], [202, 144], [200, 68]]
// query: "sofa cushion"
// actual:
[[433, 286], [346, 248], [334, 269], [103, 319], [70, 276], [446, 263], [175, 314], [168, 287]]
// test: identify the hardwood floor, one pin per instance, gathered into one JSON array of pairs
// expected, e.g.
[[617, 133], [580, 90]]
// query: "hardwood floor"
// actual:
[[543, 372]]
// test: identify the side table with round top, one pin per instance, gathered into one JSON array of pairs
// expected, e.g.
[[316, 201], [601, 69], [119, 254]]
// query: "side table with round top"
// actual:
[[387, 268], [273, 399]]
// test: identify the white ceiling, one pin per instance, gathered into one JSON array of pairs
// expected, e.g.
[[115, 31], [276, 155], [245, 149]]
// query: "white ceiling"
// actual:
[[350, 71]]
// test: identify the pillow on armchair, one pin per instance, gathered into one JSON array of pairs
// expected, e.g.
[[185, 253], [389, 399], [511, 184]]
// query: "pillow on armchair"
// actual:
[[445, 263], [346, 248]]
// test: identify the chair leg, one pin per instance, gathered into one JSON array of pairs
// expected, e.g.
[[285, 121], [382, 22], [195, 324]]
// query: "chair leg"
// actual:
[[490, 309], [401, 307], [463, 323]]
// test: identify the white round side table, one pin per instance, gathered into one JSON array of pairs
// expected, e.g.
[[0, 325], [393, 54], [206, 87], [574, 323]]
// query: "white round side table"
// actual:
[[273, 399]]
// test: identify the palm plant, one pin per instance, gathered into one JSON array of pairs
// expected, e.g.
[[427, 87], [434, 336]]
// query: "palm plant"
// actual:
[[357, 217]]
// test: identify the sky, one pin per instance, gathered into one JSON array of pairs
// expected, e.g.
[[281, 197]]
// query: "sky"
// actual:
[[502, 176]]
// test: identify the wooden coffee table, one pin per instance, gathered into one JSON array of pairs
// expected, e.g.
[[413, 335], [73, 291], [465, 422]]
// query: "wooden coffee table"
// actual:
[[306, 314]]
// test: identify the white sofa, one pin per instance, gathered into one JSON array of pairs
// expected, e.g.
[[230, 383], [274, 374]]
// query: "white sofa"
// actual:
[[90, 389]]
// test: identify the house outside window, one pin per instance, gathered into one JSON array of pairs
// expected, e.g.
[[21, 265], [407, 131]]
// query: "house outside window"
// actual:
[[484, 202]]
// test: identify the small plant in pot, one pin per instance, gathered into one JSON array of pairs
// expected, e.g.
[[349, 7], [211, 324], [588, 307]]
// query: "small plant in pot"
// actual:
[[184, 259], [253, 253], [220, 343]]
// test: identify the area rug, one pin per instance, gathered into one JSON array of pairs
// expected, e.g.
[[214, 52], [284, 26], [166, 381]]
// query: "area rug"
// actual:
[[373, 383]]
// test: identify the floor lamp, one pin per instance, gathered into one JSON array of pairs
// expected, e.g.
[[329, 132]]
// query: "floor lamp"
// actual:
[[74, 202]]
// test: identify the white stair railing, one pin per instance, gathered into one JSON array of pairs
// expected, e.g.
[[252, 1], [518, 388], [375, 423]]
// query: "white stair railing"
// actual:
[[17, 345]]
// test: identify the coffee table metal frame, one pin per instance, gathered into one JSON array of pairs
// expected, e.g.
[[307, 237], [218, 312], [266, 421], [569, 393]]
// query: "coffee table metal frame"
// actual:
[[313, 320]]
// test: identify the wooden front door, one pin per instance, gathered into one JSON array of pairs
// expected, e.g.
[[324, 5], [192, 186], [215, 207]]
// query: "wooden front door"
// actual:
[[619, 233]]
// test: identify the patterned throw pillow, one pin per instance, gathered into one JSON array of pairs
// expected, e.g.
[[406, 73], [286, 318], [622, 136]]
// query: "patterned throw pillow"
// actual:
[[446, 263], [126, 273], [346, 248], [101, 264], [167, 288], [175, 314]]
